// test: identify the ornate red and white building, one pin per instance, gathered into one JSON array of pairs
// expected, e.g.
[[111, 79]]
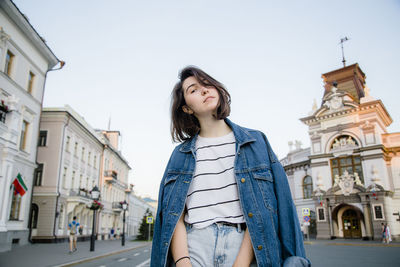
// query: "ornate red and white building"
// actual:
[[350, 176]]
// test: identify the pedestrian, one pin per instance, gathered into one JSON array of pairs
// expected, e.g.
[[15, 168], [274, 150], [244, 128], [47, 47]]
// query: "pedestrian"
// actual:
[[224, 198], [112, 233], [383, 231], [388, 236], [118, 233], [73, 229]]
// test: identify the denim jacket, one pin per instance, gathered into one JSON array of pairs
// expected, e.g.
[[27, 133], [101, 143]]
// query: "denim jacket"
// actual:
[[264, 194]]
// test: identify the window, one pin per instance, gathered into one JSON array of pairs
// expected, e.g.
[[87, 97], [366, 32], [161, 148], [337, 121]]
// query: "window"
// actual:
[[88, 158], [15, 206], [31, 79], [73, 180], [80, 181], [351, 164], [42, 138], [83, 154], [321, 214], [9, 63], [65, 178], [378, 212], [76, 149], [87, 183], [307, 187], [38, 175], [67, 143], [35, 216], [22, 142], [94, 161]]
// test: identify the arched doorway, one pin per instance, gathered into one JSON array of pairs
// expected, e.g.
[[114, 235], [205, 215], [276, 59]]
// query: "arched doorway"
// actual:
[[351, 224]]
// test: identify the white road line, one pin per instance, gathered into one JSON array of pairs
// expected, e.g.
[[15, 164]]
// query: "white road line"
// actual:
[[143, 263], [123, 259], [146, 250], [136, 254], [102, 266]]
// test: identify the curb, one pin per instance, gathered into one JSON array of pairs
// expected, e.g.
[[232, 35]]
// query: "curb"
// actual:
[[97, 257]]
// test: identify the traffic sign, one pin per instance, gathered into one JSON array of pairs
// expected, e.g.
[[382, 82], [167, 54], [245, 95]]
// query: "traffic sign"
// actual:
[[149, 219], [305, 211], [306, 218]]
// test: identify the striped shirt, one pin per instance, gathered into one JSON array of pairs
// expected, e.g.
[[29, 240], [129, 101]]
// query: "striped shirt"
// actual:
[[213, 193]]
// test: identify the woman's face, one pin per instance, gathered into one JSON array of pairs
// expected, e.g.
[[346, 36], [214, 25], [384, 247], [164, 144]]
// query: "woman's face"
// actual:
[[202, 101]]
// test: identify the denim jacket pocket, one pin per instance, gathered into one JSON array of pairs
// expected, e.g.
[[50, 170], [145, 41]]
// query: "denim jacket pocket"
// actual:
[[265, 181], [169, 184]]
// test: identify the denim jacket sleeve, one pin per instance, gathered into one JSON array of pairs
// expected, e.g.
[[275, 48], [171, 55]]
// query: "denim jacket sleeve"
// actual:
[[156, 244], [289, 226]]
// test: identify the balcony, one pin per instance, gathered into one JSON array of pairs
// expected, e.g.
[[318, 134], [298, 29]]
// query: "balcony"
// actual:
[[116, 206], [2, 116], [110, 176]]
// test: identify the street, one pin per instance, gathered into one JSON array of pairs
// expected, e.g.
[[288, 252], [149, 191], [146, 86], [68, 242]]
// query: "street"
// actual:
[[321, 254], [139, 257]]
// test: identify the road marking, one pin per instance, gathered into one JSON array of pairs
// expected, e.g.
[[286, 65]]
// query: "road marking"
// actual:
[[136, 254], [146, 250], [143, 263], [123, 259], [102, 266]]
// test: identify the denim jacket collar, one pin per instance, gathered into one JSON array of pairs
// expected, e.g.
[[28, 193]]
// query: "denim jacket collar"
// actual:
[[242, 137]]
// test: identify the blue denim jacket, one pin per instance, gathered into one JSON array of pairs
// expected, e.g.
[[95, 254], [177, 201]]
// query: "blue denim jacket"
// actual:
[[264, 197]]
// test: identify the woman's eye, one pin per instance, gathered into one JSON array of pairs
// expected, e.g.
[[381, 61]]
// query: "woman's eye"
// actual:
[[194, 90]]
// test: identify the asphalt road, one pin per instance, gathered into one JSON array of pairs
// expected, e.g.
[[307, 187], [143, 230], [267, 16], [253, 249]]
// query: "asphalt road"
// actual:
[[320, 254], [139, 257]]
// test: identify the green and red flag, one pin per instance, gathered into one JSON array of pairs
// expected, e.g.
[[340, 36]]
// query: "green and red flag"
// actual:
[[19, 185]]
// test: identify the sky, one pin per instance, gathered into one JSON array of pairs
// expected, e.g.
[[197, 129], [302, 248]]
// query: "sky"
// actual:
[[123, 59]]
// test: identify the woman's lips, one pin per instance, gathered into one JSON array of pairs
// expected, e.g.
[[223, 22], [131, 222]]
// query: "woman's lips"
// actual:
[[210, 97]]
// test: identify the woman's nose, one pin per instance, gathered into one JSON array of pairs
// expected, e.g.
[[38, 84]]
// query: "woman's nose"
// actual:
[[204, 91]]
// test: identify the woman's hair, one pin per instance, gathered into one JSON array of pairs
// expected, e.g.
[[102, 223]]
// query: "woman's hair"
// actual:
[[184, 126]]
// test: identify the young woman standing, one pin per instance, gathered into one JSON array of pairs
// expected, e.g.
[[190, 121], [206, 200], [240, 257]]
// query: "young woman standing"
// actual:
[[224, 198]]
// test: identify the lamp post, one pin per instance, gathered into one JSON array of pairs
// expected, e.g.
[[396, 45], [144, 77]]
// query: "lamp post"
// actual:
[[95, 193], [124, 207]]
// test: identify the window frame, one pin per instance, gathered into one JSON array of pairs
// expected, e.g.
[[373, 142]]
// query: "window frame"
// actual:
[[39, 171], [353, 165], [23, 136], [42, 137], [31, 80], [9, 62], [304, 185]]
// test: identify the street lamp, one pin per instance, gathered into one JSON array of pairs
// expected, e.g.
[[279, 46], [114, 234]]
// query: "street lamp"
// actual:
[[124, 207], [95, 193]]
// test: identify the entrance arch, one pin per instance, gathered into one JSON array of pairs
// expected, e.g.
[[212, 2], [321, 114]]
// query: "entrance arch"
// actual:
[[348, 222]]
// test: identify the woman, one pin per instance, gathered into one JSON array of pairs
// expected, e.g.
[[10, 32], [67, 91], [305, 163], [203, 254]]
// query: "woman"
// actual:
[[224, 198]]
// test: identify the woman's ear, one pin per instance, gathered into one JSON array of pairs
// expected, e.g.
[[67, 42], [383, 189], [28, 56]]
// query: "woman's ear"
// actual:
[[187, 110]]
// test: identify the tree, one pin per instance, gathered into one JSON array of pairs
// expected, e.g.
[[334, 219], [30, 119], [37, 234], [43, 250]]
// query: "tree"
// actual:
[[144, 227]]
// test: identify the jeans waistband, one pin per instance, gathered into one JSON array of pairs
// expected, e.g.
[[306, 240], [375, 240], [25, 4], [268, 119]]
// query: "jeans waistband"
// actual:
[[239, 226]]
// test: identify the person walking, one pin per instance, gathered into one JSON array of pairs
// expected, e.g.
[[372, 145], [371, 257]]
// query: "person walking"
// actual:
[[224, 199], [118, 233], [383, 231], [112, 233], [73, 230], [388, 236]]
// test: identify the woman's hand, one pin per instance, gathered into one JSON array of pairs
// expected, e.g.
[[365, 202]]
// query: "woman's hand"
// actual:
[[246, 253]]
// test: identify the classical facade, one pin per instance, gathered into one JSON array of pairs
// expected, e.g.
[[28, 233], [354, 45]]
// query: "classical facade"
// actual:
[[349, 177], [69, 163], [114, 171], [25, 60]]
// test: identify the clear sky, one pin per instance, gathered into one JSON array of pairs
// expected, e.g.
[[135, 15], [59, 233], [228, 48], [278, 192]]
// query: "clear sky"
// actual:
[[123, 58]]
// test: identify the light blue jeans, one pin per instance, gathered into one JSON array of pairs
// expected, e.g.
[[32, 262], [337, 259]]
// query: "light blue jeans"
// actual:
[[218, 245]]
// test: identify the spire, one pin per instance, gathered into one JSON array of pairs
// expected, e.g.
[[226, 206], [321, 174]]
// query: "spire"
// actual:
[[342, 40]]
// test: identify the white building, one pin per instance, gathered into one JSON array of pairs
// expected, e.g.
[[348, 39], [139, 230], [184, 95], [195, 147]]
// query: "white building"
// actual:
[[113, 184], [349, 178], [137, 209], [25, 60], [69, 159]]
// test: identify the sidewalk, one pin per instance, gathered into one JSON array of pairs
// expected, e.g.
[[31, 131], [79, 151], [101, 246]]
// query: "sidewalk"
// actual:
[[351, 242], [56, 254]]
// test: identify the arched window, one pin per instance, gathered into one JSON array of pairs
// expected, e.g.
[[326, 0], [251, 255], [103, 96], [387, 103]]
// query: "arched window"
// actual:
[[307, 187]]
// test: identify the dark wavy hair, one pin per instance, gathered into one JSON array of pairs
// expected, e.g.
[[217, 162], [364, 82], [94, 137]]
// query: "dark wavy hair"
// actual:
[[184, 126]]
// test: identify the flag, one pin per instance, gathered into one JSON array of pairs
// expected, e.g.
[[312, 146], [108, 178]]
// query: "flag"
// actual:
[[19, 185]]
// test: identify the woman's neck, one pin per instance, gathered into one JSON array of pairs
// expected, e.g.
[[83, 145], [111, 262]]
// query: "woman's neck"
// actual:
[[213, 128]]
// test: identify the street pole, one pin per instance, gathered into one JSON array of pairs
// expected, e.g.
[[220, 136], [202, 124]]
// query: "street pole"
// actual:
[[92, 237], [123, 230], [149, 230]]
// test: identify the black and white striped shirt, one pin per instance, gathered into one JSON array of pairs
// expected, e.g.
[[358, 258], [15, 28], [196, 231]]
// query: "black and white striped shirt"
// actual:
[[213, 194]]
